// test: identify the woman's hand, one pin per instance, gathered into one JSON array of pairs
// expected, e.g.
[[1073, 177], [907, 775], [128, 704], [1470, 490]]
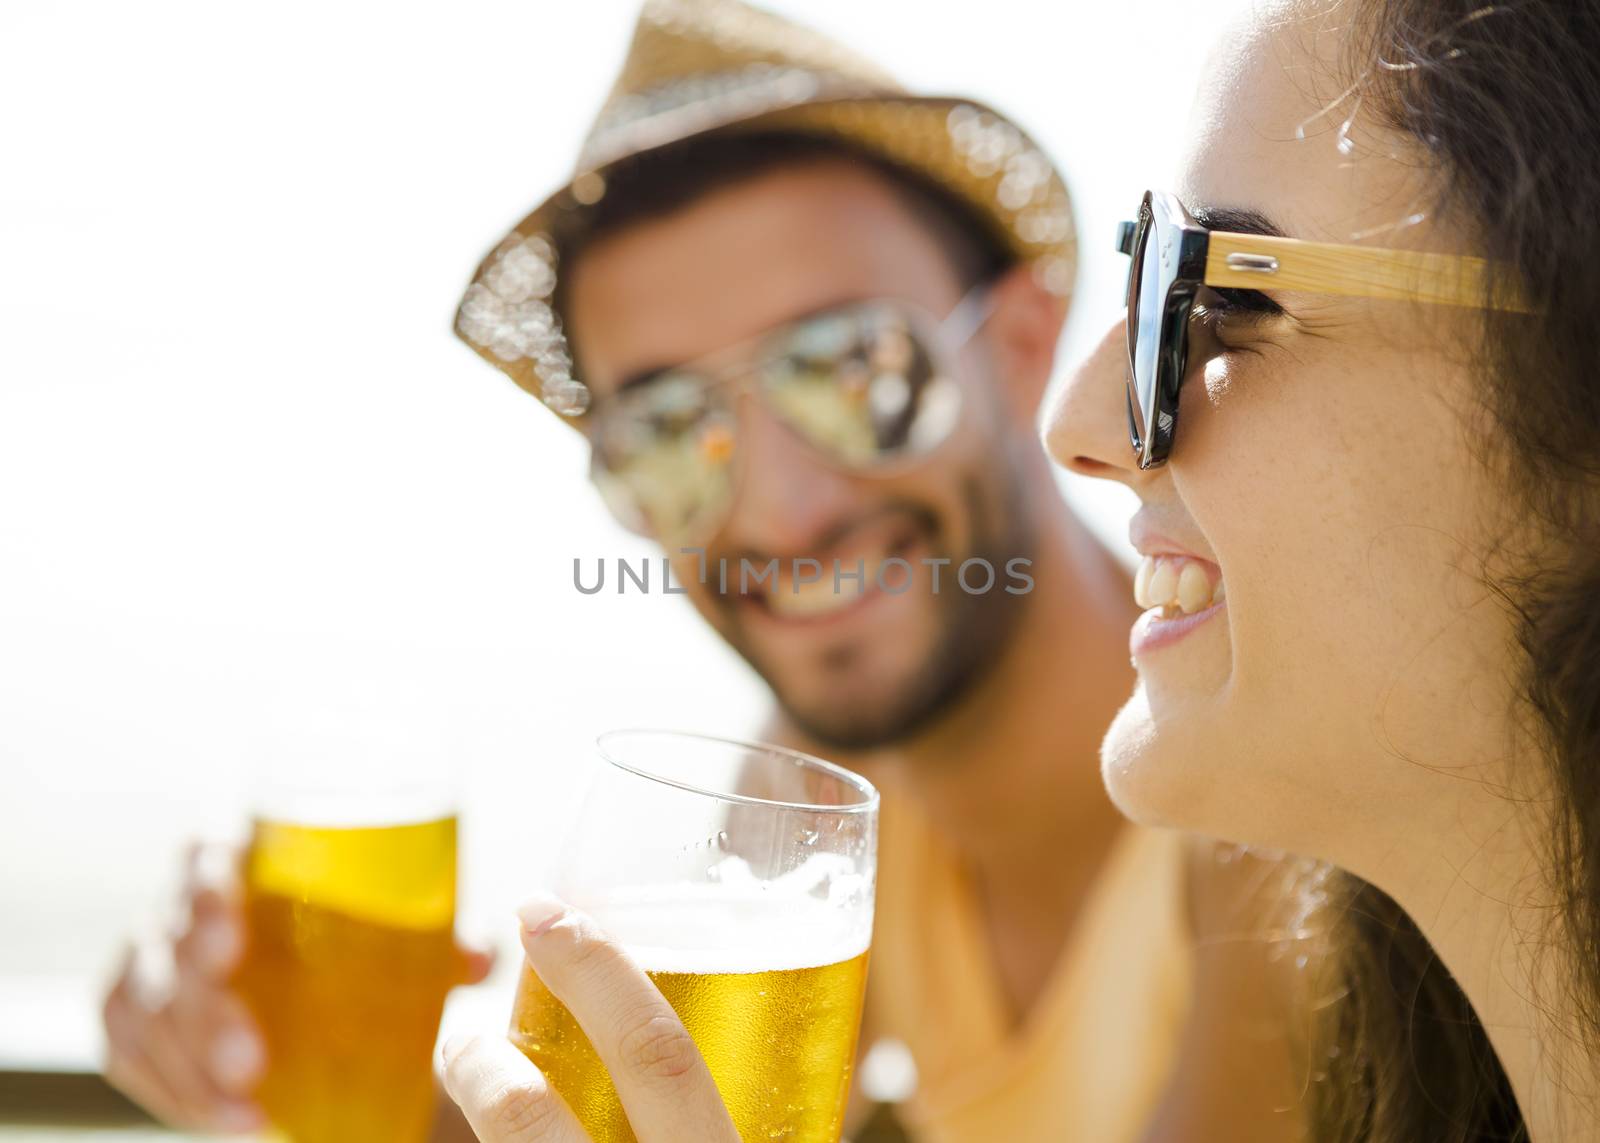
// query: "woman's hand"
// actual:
[[658, 1072]]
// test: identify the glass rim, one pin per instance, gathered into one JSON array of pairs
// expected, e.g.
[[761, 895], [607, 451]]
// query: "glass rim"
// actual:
[[869, 792]]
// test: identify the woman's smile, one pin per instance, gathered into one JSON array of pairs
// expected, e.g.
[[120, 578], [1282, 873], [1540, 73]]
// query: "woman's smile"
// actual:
[[1180, 593], [1177, 589]]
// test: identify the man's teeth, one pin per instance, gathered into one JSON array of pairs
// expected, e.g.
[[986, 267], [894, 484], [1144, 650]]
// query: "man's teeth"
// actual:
[[793, 598], [1175, 584]]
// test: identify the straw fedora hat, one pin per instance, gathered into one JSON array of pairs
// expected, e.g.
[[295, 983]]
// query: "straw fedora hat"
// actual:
[[697, 66]]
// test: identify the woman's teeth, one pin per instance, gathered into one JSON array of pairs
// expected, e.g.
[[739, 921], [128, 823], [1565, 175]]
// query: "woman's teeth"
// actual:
[[1175, 584]]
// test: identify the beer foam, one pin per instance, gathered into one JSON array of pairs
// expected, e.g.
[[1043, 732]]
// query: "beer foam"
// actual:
[[355, 808], [816, 915], [403, 875]]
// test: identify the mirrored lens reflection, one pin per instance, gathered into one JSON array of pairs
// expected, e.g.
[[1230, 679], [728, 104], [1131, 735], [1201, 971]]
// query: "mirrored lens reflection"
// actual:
[[663, 454], [862, 385]]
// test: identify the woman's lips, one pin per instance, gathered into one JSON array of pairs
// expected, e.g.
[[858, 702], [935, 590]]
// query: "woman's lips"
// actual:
[[1179, 592], [1151, 630]]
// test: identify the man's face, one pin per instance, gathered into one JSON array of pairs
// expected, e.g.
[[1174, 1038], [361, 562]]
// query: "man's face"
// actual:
[[853, 669]]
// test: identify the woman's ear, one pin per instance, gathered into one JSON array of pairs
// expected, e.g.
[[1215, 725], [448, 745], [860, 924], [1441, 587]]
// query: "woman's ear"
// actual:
[[1022, 333]]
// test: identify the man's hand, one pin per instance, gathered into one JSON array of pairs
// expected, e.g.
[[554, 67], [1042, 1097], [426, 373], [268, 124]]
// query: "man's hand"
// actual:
[[178, 1042], [659, 1074]]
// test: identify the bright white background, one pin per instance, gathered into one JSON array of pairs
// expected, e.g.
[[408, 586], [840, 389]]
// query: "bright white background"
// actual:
[[249, 480]]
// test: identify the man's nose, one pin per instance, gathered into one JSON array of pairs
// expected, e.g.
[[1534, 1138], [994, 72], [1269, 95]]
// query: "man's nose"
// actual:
[[788, 496], [1086, 425]]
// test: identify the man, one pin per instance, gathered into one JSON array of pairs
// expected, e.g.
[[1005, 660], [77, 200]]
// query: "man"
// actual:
[[805, 319]]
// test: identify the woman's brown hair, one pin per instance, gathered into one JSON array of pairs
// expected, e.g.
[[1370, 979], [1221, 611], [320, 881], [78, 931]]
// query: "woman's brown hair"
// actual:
[[1502, 99]]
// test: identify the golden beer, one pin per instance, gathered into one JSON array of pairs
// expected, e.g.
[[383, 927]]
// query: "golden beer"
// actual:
[[780, 1042], [349, 954]]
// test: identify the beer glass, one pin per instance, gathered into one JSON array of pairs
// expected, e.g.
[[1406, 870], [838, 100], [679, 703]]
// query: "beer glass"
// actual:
[[349, 906], [741, 878]]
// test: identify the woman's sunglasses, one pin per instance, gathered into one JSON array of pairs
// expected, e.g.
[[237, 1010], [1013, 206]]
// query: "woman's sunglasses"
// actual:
[[1174, 256], [867, 386]]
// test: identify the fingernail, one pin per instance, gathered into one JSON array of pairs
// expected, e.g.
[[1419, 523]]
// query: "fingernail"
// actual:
[[236, 1058], [452, 1047], [539, 913]]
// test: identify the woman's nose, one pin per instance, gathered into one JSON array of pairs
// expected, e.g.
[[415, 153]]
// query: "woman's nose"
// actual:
[[1086, 425]]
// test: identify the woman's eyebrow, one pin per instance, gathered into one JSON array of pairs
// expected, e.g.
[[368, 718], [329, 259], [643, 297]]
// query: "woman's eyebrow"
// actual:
[[1233, 221], [1226, 220]]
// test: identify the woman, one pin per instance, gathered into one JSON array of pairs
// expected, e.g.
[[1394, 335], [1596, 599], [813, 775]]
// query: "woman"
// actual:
[[1372, 553], [1385, 511]]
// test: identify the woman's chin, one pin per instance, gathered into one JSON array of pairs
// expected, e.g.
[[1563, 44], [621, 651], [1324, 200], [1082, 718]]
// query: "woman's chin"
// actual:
[[1153, 772]]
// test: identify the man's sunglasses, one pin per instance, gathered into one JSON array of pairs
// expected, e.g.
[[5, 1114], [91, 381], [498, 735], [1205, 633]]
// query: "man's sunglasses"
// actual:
[[1174, 256], [868, 386]]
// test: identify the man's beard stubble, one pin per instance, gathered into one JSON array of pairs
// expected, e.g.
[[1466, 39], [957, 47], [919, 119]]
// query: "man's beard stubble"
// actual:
[[974, 632]]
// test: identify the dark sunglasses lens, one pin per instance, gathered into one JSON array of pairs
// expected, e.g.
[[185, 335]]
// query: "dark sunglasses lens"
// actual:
[[863, 385], [1144, 329], [663, 455]]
